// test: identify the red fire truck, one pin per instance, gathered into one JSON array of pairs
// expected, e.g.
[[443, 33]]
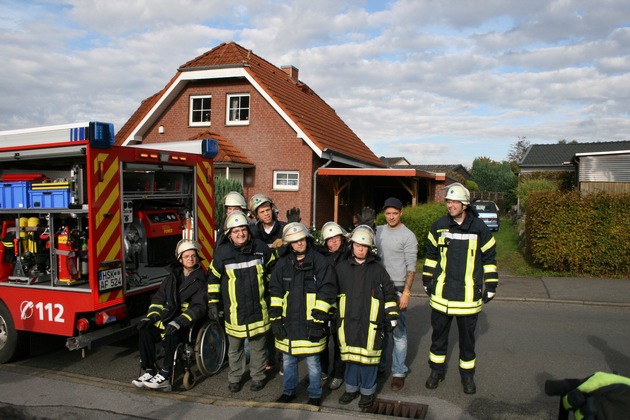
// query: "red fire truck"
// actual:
[[87, 228]]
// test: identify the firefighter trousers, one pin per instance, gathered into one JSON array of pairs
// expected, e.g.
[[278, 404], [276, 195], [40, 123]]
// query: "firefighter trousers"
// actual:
[[441, 324]]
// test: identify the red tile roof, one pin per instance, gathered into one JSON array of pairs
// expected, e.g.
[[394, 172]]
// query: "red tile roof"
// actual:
[[227, 152], [310, 113]]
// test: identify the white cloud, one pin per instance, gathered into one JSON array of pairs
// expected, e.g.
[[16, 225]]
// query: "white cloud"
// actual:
[[436, 81]]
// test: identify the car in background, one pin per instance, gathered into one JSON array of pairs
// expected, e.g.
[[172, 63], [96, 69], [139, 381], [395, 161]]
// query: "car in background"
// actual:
[[488, 212]]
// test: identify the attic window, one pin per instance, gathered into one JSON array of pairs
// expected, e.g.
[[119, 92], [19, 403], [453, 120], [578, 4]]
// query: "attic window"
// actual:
[[237, 109], [200, 110]]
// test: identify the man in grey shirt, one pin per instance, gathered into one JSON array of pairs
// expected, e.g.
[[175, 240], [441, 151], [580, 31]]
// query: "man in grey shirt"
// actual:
[[398, 249]]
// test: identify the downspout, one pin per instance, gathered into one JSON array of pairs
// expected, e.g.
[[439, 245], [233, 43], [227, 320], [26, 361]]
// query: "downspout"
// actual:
[[330, 159]]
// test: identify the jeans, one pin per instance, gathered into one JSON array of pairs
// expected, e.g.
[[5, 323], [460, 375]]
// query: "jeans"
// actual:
[[291, 374], [399, 354], [361, 378]]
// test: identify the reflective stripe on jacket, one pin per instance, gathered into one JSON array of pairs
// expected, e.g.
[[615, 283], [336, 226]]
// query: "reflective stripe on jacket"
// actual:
[[459, 259]]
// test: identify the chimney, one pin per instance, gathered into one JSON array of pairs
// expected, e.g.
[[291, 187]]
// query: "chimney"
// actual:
[[292, 71]]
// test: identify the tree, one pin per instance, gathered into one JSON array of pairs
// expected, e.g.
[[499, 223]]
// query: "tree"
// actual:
[[517, 152], [493, 176]]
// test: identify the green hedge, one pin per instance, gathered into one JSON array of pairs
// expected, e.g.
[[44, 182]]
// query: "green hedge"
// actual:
[[222, 186], [582, 235], [419, 220]]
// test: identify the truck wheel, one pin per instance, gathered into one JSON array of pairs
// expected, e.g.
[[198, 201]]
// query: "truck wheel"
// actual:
[[12, 342]]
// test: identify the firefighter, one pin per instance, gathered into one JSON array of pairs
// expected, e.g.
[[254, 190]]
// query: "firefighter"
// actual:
[[367, 307], [232, 201], [238, 279], [268, 228], [335, 248], [459, 275], [179, 302], [303, 288]]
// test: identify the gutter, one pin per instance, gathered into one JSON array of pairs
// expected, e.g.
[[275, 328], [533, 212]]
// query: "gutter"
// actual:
[[330, 160]]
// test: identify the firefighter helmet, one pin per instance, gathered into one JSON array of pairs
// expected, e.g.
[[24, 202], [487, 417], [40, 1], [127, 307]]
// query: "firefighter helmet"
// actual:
[[457, 192], [185, 245], [332, 229], [363, 235], [234, 199], [234, 219], [293, 232], [257, 200]]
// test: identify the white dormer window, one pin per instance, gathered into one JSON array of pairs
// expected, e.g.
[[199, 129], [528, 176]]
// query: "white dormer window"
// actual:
[[237, 109], [200, 111], [286, 180]]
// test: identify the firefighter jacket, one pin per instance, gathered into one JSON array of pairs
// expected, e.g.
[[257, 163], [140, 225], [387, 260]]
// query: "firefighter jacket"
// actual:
[[180, 299], [258, 231], [367, 301], [238, 278], [300, 289], [459, 259]]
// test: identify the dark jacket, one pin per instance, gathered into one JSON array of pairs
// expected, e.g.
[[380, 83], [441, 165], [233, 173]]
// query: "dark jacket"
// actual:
[[298, 288], [367, 300], [469, 256], [239, 279], [181, 299]]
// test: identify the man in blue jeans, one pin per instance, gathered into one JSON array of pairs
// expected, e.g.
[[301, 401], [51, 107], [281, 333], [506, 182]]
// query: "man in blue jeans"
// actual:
[[398, 248]]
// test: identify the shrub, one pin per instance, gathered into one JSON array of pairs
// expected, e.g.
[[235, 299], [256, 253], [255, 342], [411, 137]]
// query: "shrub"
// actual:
[[587, 235], [527, 187], [222, 186]]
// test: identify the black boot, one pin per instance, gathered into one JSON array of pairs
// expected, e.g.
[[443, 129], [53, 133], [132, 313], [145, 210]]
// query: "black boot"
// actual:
[[469, 385], [434, 379]]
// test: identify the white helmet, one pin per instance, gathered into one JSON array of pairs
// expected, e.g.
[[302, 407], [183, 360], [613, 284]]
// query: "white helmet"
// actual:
[[234, 199], [332, 229], [457, 192], [234, 219], [185, 245], [293, 232], [257, 200], [363, 235]]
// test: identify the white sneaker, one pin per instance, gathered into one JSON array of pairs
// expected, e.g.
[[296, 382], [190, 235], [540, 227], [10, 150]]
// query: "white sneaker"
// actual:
[[142, 380], [159, 381], [336, 383]]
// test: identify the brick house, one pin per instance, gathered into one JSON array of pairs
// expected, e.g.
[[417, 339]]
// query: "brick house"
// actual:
[[275, 134]]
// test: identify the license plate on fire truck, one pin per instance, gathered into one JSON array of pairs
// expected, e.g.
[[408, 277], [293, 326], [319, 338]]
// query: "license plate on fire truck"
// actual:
[[110, 279]]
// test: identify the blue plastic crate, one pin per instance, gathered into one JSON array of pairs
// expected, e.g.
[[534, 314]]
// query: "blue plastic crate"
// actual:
[[14, 195], [49, 199]]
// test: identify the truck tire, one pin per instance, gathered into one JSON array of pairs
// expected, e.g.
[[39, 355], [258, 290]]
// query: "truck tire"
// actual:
[[12, 342]]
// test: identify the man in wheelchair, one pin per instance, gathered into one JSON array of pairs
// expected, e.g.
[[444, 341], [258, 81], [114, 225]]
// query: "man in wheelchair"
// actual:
[[181, 300]]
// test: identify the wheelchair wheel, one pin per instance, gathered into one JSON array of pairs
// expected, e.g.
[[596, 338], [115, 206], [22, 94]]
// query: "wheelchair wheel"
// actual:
[[189, 380], [210, 348]]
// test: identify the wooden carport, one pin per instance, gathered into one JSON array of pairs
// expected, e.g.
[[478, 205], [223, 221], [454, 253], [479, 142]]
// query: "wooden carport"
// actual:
[[408, 178]]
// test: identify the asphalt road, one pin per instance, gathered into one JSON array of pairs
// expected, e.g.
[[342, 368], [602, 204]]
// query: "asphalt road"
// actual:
[[519, 346]]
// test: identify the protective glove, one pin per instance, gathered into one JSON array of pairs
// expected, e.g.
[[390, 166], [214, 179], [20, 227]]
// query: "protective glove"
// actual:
[[316, 331], [146, 321], [391, 324], [213, 311], [293, 215], [171, 328], [488, 295], [278, 330], [367, 216], [276, 244], [427, 288]]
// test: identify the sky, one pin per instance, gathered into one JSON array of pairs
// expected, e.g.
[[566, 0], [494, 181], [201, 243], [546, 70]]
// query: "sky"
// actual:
[[434, 81]]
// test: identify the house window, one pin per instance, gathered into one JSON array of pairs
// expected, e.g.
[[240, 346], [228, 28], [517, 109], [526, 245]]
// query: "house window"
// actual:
[[238, 109], [286, 180], [200, 110]]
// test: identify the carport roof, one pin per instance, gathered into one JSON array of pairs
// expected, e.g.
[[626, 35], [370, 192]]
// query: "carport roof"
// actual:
[[399, 172]]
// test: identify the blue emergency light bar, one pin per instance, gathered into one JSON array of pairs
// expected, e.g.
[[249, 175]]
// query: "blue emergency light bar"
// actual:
[[101, 135], [209, 148]]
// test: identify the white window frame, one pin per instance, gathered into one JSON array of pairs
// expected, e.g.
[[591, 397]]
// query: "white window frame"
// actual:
[[228, 108], [286, 180], [192, 123]]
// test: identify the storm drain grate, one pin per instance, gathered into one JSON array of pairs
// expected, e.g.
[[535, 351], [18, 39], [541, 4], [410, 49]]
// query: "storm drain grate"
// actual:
[[397, 409]]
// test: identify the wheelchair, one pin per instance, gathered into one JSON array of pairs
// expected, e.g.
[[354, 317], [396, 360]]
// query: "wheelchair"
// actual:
[[205, 348]]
